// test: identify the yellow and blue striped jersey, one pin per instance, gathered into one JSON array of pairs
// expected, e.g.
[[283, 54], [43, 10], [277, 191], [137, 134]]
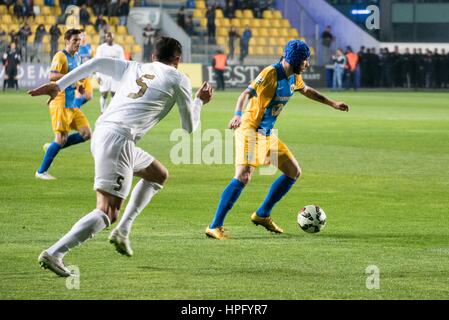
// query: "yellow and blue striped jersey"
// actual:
[[63, 63], [270, 92]]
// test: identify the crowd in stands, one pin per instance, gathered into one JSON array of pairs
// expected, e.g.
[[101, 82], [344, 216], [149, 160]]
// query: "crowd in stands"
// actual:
[[391, 69], [110, 8], [90, 13], [227, 9], [185, 21], [414, 68], [22, 9], [230, 6]]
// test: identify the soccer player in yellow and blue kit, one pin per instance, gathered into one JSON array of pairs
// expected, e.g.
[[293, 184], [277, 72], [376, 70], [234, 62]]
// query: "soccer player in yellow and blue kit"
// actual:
[[65, 113], [256, 144]]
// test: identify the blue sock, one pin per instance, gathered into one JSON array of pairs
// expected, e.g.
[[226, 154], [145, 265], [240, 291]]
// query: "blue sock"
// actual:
[[277, 190], [51, 153], [229, 196], [80, 101], [74, 138]]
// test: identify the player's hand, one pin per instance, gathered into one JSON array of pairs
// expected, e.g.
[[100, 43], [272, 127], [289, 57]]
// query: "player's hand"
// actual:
[[205, 92], [81, 90], [235, 122], [51, 89], [99, 80], [340, 106]]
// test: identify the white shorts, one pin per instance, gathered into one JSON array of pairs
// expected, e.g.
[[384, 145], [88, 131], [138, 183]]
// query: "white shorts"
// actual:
[[108, 84], [116, 160]]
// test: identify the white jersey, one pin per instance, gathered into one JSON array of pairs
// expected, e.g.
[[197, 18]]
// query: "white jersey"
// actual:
[[106, 51], [147, 92]]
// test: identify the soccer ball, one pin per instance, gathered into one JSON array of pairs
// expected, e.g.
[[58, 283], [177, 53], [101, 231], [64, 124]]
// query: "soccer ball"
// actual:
[[311, 219]]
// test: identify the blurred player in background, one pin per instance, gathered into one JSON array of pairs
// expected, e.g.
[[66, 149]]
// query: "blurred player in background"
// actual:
[[11, 60], [107, 84], [256, 145], [72, 20], [85, 53], [146, 94], [65, 113]]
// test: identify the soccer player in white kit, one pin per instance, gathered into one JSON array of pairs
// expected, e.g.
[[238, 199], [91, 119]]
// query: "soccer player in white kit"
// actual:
[[109, 49], [146, 94]]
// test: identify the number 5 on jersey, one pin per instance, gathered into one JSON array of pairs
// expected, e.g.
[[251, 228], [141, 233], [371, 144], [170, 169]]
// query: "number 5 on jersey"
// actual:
[[143, 86]]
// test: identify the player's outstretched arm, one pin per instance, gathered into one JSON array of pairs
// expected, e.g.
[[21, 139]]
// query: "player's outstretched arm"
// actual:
[[313, 94], [108, 66], [111, 67], [50, 89]]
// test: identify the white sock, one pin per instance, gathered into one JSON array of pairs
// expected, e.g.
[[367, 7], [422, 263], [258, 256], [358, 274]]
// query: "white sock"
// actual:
[[140, 197], [84, 229], [102, 103]]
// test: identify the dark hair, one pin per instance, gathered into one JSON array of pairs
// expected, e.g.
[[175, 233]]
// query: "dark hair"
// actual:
[[71, 32], [166, 49]]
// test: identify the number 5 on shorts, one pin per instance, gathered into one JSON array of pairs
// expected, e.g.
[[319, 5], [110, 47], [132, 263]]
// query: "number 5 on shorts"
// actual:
[[119, 182]]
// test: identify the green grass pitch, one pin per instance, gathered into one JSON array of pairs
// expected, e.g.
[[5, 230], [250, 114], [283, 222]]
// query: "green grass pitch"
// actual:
[[381, 173]]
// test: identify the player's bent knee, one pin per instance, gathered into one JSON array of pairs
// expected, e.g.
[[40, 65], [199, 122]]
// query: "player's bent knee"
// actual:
[[160, 176], [244, 174], [244, 178], [163, 176], [291, 169], [294, 173], [86, 135], [61, 139], [297, 172], [155, 172]]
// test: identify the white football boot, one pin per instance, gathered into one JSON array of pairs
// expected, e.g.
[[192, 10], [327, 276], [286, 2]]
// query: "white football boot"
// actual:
[[121, 243], [44, 176], [49, 262]]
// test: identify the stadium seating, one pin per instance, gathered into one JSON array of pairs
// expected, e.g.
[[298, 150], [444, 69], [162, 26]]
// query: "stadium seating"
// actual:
[[48, 17], [269, 34]]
